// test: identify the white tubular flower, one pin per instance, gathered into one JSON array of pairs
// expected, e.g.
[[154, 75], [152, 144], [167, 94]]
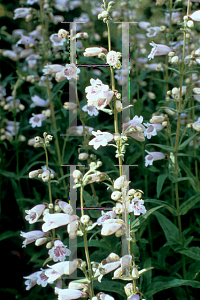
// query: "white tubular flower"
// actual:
[[196, 125], [21, 12], [137, 207], [93, 51], [59, 251], [67, 208], [52, 69], [101, 139], [120, 182], [157, 119], [106, 216], [152, 129], [34, 213], [25, 40], [70, 71], [69, 294], [159, 49], [69, 105], [56, 41], [112, 58], [195, 16], [37, 101], [153, 156], [72, 229], [36, 120], [111, 226], [46, 175], [56, 220], [57, 270], [31, 236]]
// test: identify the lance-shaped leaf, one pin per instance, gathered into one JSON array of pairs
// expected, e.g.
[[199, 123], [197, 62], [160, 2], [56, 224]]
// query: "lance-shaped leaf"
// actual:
[[187, 205]]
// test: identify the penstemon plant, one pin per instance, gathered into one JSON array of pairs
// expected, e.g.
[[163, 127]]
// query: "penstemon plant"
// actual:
[[100, 230]]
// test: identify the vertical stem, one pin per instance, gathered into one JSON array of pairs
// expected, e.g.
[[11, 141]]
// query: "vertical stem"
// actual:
[[86, 247], [51, 100]]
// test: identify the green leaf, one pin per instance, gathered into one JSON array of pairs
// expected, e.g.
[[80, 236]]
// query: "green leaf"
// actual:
[[9, 234], [110, 286], [7, 173], [158, 286], [174, 70], [182, 179], [169, 229], [141, 219], [192, 252], [166, 148], [93, 244], [185, 143], [160, 182], [170, 207], [187, 205]]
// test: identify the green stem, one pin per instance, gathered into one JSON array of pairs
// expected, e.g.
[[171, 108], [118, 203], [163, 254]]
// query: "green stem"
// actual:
[[86, 247], [51, 100]]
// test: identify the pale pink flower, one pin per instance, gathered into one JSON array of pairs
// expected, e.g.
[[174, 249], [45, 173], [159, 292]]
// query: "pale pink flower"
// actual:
[[105, 216], [153, 156], [26, 52], [144, 25], [103, 296], [56, 41], [36, 120], [56, 220], [31, 280], [159, 49], [69, 294], [10, 54], [66, 207], [25, 40], [196, 125], [37, 101], [175, 17], [109, 267], [110, 226], [31, 236], [62, 5], [197, 97], [59, 251], [78, 130], [42, 278], [103, 99], [31, 2], [120, 182], [137, 207], [52, 69], [21, 12], [57, 270], [95, 92], [101, 139], [70, 71], [134, 128], [152, 129], [72, 229], [134, 297], [91, 110], [34, 213], [93, 51], [152, 31], [112, 58], [195, 16]]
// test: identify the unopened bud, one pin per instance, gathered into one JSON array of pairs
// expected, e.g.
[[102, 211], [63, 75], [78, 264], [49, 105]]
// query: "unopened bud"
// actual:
[[41, 241], [174, 60], [171, 54], [49, 245], [190, 24], [62, 33], [85, 219], [175, 91], [82, 156]]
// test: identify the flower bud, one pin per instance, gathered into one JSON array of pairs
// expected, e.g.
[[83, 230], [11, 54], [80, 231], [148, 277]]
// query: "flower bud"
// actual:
[[62, 33], [49, 245], [45, 176], [116, 195], [190, 24], [118, 106], [41, 241], [151, 95], [82, 156], [85, 219], [21, 138], [135, 273], [175, 91], [34, 173], [171, 54], [196, 91], [174, 60], [69, 105]]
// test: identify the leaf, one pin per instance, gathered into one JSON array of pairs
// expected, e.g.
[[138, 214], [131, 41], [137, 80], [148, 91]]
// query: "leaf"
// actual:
[[169, 229], [110, 286], [182, 179], [170, 207], [7, 173], [192, 252], [8, 235], [141, 219], [187, 205], [160, 182], [166, 148], [185, 143], [93, 244], [158, 286]]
